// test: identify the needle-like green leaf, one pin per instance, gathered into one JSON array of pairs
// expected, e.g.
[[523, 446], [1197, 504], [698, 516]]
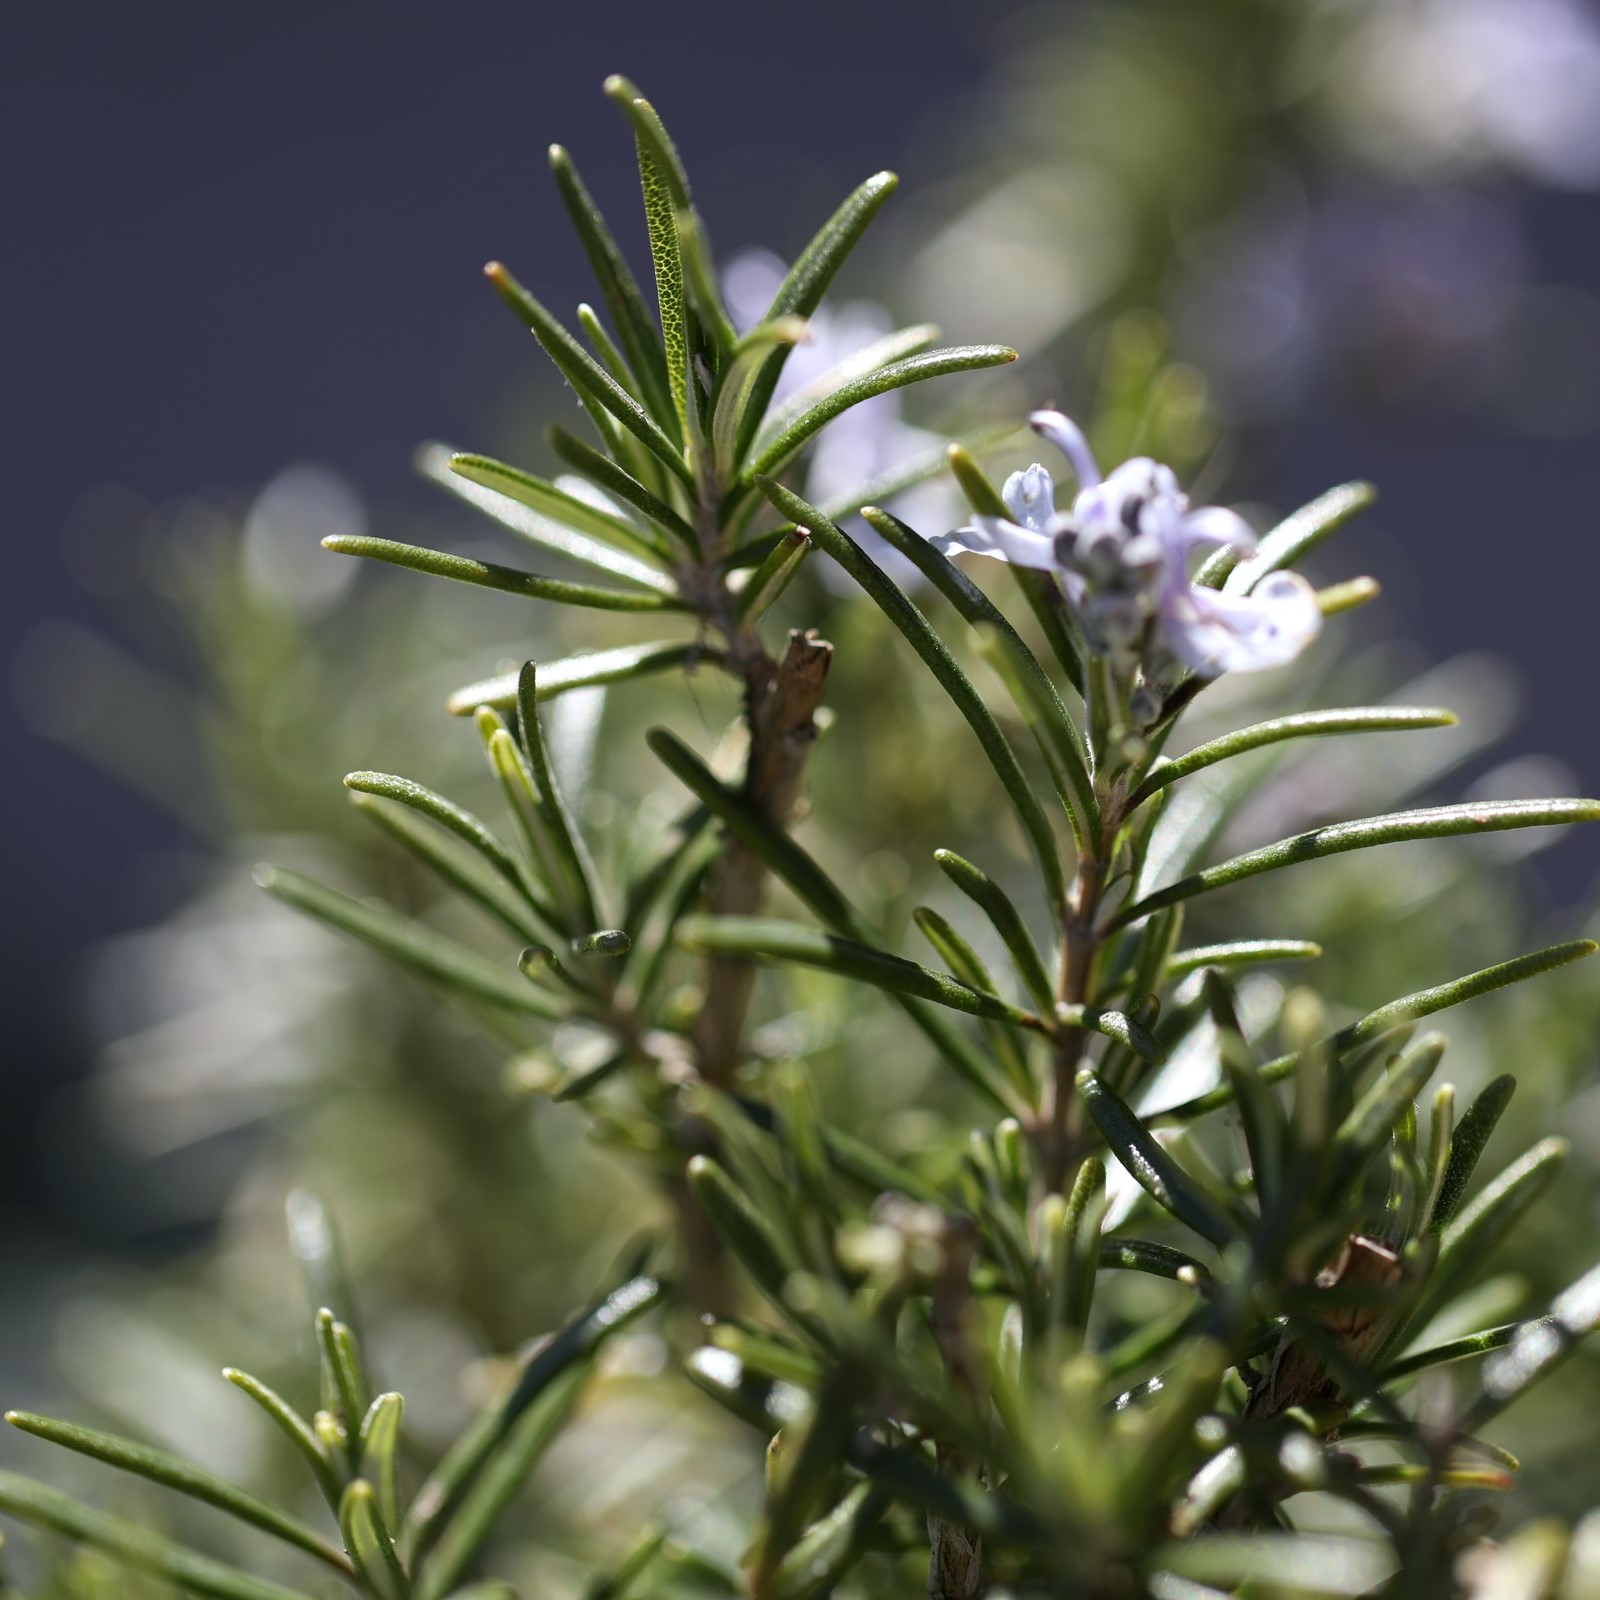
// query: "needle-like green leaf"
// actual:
[[859, 364], [793, 941], [1467, 1145], [1408, 1008], [508, 580], [1368, 1127], [133, 1544], [455, 819], [294, 1427], [641, 340], [455, 865], [966, 966], [936, 656], [1150, 1166], [172, 1472], [369, 1543], [1298, 534], [581, 672], [420, 948], [436, 1502], [782, 447], [807, 281], [380, 1449], [623, 486], [544, 514], [586, 375], [1304, 725], [802, 874], [1431, 822], [996, 904], [748, 1235], [773, 576], [577, 880], [1438, 1355], [1057, 735], [1481, 1225], [737, 384], [1238, 953]]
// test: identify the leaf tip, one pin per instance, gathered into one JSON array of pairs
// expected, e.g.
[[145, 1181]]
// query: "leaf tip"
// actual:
[[264, 875]]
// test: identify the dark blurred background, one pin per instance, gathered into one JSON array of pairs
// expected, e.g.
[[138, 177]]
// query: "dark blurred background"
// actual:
[[242, 237]]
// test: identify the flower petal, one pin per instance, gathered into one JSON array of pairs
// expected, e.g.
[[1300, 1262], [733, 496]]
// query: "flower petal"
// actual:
[[1006, 541], [1031, 498], [1213, 633], [1068, 438], [1216, 525]]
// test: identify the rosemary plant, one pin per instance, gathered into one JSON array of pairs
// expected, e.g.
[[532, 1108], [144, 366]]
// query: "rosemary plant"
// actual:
[[1190, 1313]]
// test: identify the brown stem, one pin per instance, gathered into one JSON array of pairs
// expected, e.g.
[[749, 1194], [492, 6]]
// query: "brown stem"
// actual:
[[1080, 944], [781, 699], [955, 1552]]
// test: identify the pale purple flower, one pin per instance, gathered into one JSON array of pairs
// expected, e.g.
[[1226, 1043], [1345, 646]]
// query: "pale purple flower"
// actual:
[[1123, 552]]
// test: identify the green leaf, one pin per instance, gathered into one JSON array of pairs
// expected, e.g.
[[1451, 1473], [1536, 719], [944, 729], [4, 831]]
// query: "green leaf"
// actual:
[[294, 1427], [996, 904], [1482, 1224], [829, 1547], [369, 1544], [773, 455], [1462, 1349], [1431, 822], [1238, 953], [636, 329], [662, 225], [508, 580], [626, 662], [1467, 1145], [455, 866], [623, 486], [341, 1362], [174, 1473], [566, 1353], [807, 281], [548, 516], [408, 942], [1368, 1127], [749, 1237], [455, 819], [1057, 735], [1115, 1025], [577, 877], [380, 1449], [736, 384], [802, 874], [133, 1544], [1150, 1166], [1159, 1260], [936, 656], [1296, 536], [859, 364], [586, 375], [543, 514], [792, 941], [773, 576], [771, 843], [1408, 1008], [1539, 1346], [1304, 725], [966, 967]]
